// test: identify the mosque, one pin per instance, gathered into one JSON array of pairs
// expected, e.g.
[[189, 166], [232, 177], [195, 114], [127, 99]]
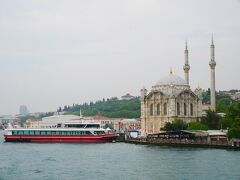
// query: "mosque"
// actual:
[[172, 97]]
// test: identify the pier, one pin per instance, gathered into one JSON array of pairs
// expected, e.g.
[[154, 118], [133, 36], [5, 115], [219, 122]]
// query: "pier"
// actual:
[[198, 139], [179, 143]]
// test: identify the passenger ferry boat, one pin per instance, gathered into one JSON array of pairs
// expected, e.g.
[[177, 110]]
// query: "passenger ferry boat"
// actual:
[[70, 132]]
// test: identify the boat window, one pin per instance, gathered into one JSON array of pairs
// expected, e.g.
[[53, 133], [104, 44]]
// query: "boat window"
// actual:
[[37, 132], [99, 132], [92, 126], [31, 133], [75, 125], [88, 132]]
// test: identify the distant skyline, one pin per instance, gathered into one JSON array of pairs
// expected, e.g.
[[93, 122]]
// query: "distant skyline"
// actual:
[[58, 52]]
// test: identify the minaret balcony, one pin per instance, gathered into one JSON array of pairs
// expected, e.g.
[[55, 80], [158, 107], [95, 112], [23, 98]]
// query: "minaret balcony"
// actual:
[[212, 64], [186, 67]]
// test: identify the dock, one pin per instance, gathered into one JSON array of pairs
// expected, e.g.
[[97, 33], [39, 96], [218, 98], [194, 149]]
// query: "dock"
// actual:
[[181, 144]]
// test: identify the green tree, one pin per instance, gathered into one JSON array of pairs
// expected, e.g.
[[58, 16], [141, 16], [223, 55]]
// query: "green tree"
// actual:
[[176, 125], [206, 96], [168, 127], [111, 108], [232, 121], [234, 133], [222, 107], [212, 120], [197, 126]]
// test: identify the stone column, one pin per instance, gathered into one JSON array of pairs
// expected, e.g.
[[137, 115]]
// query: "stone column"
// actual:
[[199, 92]]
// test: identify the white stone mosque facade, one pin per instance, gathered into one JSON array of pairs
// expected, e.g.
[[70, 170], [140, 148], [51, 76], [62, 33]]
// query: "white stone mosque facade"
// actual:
[[172, 97]]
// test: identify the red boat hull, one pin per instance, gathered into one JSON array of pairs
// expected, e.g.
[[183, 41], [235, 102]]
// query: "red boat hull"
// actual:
[[61, 138]]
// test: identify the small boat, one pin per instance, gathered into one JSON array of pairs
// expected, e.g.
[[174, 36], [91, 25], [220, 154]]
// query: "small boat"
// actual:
[[63, 133]]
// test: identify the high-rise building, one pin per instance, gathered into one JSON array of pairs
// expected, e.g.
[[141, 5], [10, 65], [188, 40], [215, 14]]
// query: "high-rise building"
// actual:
[[23, 110]]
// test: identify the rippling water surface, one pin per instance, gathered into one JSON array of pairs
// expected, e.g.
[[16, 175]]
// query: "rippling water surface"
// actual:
[[25, 161]]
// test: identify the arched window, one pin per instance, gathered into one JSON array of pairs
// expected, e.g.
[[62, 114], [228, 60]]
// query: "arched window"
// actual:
[[151, 110], [191, 109], [165, 108], [158, 109], [185, 109], [178, 109]]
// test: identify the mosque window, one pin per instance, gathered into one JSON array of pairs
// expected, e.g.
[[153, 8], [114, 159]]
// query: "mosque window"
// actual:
[[191, 109], [158, 109], [185, 109], [178, 109], [165, 108], [151, 110]]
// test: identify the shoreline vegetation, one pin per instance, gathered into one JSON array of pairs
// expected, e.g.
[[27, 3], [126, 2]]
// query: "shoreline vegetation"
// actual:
[[116, 108]]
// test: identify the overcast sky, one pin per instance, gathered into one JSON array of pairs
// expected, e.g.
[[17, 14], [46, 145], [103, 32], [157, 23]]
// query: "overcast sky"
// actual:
[[60, 52]]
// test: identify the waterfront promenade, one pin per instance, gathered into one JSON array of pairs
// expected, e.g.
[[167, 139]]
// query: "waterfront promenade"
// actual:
[[182, 143]]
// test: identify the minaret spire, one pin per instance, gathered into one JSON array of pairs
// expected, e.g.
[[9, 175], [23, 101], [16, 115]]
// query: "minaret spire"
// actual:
[[186, 66], [212, 40], [212, 65]]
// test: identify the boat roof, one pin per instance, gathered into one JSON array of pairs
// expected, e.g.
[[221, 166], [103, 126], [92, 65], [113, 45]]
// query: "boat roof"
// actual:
[[55, 129]]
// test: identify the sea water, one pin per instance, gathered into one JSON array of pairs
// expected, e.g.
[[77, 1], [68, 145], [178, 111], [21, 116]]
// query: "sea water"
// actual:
[[31, 161]]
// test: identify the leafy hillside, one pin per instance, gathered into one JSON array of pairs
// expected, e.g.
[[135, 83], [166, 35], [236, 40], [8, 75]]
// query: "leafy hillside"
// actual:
[[223, 101], [116, 108], [110, 108]]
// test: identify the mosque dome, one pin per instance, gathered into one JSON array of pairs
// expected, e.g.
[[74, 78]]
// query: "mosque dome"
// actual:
[[172, 79]]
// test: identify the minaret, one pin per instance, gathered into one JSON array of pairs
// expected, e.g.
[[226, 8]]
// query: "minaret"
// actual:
[[186, 67], [212, 65]]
